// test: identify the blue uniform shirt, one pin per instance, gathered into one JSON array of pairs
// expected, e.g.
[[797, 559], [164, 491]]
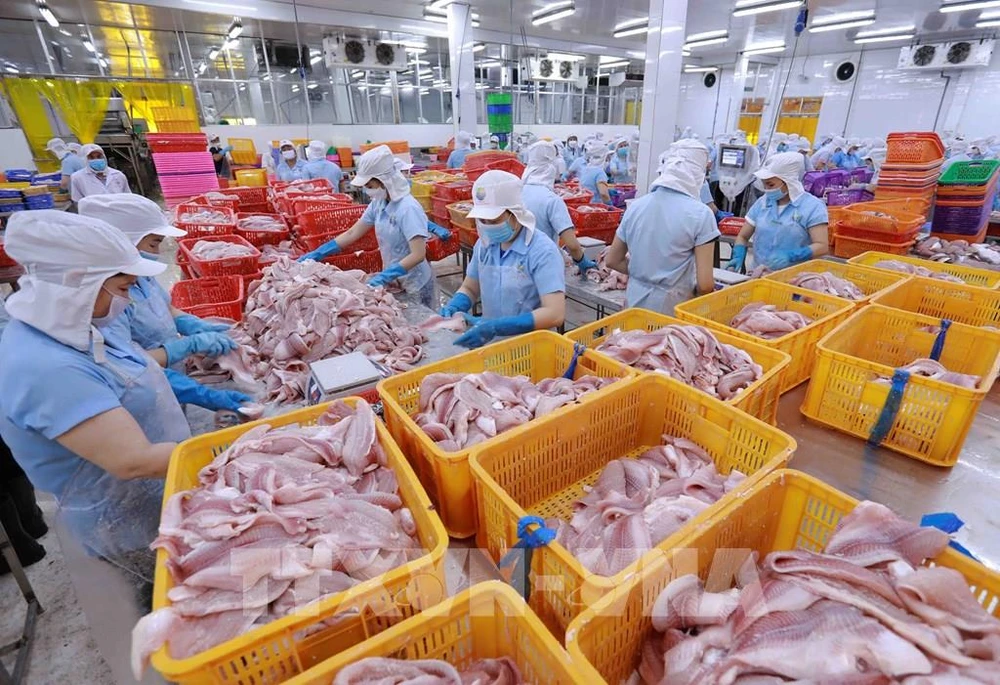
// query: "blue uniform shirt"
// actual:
[[661, 230], [287, 173], [396, 224], [551, 215], [48, 388], [780, 228], [71, 164], [578, 165], [513, 281], [589, 178], [619, 169], [457, 158], [570, 155], [323, 168], [706, 194], [842, 160]]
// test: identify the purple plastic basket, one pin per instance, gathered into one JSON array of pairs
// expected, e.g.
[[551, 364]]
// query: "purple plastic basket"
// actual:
[[830, 180], [960, 220], [809, 180], [862, 175], [840, 198]]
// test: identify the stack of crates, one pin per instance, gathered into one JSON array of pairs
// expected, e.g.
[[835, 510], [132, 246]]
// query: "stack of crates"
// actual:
[[183, 164], [965, 196], [446, 193], [912, 166], [875, 226]]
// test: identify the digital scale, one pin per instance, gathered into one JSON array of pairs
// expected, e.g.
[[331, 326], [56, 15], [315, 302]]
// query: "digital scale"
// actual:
[[342, 376]]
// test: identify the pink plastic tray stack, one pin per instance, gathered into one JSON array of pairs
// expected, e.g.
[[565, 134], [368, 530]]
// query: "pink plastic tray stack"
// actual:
[[185, 174]]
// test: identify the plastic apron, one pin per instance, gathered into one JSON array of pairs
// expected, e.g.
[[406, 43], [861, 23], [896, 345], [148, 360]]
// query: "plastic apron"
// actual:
[[118, 519], [662, 296], [394, 246], [508, 290], [775, 235], [152, 320]]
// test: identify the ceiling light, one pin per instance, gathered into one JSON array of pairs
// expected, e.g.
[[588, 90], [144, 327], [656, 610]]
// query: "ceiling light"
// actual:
[[963, 5], [439, 4], [746, 8], [213, 52], [407, 72], [11, 69], [988, 24], [357, 73], [235, 29], [294, 71], [685, 52], [65, 32], [490, 64], [478, 47], [295, 88], [692, 69], [886, 35], [47, 15], [707, 35], [612, 62], [441, 18], [884, 39], [243, 86], [417, 51], [202, 68], [407, 89], [625, 33], [553, 12], [316, 60], [632, 27], [231, 44], [563, 57], [842, 20], [704, 42], [103, 62], [311, 86], [89, 45], [765, 48]]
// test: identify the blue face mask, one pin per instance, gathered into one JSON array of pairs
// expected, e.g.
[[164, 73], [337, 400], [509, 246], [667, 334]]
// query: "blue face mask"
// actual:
[[782, 147], [623, 152], [98, 164], [774, 195], [496, 233], [150, 256]]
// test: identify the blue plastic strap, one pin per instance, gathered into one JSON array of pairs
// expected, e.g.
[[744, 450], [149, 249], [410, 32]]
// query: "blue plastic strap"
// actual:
[[949, 523], [515, 565], [533, 539], [578, 349], [938, 348], [888, 416]]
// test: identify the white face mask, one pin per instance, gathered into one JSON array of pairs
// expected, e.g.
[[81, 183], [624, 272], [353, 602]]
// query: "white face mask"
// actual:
[[288, 154], [377, 193], [118, 306]]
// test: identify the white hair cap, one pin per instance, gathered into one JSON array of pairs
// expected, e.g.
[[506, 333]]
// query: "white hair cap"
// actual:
[[316, 150], [541, 169], [790, 168], [90, 147], [496, 192], [55, 144], [380, 163], [682, 167], [134, 215], [463, 139]]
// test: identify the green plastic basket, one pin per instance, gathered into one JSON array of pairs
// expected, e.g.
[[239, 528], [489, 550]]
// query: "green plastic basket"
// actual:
[[976, 173]]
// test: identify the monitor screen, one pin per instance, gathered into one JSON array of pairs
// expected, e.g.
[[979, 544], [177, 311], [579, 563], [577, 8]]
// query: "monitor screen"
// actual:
[[733, 157]]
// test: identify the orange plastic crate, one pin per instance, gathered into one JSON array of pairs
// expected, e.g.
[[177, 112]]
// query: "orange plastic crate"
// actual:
[[511, 166], [872, 282], [261, 238], [913, 148], [452, 191], [847, 245], [205, 229], [221, 296], [331, 219]]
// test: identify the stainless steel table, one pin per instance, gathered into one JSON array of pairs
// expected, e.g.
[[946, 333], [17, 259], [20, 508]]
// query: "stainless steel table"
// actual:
[[585, 293]]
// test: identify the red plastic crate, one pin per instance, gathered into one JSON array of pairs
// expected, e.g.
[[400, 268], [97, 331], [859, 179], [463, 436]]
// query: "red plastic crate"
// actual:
[[261, 238], [731, 225], [207, 201], [309, 204], [438, 249], [331, 219], [177, 142], [249, 195], [5, 259], [232, 266], [369, 261], [453, 191], [305, 185], [202, 230], [603, 220], [583, 198], [511, 166], [368, 241], [214, 296]]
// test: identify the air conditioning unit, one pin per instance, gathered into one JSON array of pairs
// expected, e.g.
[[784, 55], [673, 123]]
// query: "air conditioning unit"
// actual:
[[342, 52], [961, 54], [544, 69]]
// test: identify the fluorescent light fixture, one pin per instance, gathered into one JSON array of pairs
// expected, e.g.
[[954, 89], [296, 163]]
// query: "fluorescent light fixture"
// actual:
[[564, 57], [704, 42], [213, 52], [692, 69], [631, 23], [439, 4], [625, 33], [235, 29], [685, 52], [553, 12], [988, 24], [418, 61], [11, 69], [614, 64], [103, 62], [408, 72], [294, 71], [47, 15], [202, 68], [884, 39], [707, 35], [65, 33], [886, 35], [87, 44], [417, 51], [243, 86], [215, 6], [316, 60], [489, 64], [632, 27], [478, 47], [312, 86], [963, 5], [842, 20], [425, 91], [231, 44], [747, 8], [357, 73], [441, 18], [295, 88], [765, 48]]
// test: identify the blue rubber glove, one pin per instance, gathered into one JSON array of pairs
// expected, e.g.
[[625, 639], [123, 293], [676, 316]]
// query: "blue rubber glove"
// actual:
[[209, 344], [188, 324], [321, 252], [720, 215], [439, 231], [459, 303], [227, 149], [189, 391], [585, 264], [486, 330], [387, 276], [787, 258], [739, 259]]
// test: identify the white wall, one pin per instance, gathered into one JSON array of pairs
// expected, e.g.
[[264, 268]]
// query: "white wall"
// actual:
[[14, 150]]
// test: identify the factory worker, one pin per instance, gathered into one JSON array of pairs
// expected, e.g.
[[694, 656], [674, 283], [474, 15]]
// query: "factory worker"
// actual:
[[516, 271], [97, 178], [463, 146], [318, 166], [848, 159], [787, 225], [803, 149], [820, 160], [74, 148], [874, 161], [400, 226], [167, 334], [551, 216], [666, 241], [220, 156], [494, 142], [560, 161], [619, 168], [69, 162], [89, 417], [592, 176], [573, 151], [976, 150], [290, 168]]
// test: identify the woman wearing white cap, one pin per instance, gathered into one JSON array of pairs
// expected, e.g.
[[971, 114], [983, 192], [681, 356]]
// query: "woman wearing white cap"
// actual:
[[400, 226], [290, 168], [166, 333], [516, 272], [619, 168], [551, 216], [592, 176], [318, 166], [463, 146], [666, 241], [88, 416], [788, 225], [70, 163], [97, 178]]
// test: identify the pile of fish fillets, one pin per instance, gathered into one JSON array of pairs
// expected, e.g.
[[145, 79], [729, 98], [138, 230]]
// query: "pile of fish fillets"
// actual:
[[957, 251], [205, 216], [691, 354], [826, 282], [304, 312], [282, 518], [929, 368], [381, 671], [864, 611], [915, 270], [262, 222], [459, 410], [210, 250], [604, 277], [767, 321], [638, 503]]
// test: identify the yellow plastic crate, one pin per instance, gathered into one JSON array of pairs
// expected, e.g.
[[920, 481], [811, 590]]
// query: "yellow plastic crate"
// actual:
[[943, 300], [15, 185], [244, 151], [538, 355], [423, 188], [760, 399], [783, 511], [934, 417], [487, 621], [717, 309], [276, 651], [984, 278], [425, 201], [542, 469], [870, 281]]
